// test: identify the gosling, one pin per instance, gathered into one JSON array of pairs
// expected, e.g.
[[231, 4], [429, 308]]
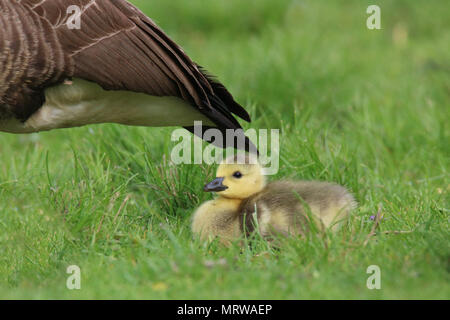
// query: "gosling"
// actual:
[[246, 203]]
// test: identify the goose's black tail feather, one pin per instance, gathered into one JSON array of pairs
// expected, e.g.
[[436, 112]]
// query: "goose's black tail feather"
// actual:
[[223, 107]]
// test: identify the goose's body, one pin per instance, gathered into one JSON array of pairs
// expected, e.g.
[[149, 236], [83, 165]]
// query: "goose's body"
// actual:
[[80, 102], [119, 67], [246, 203]]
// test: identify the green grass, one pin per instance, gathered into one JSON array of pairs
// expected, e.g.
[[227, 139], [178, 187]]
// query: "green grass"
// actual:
[[367, 109]]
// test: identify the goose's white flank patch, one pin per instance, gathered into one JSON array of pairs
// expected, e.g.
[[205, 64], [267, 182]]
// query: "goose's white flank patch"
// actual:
[[81, 102]]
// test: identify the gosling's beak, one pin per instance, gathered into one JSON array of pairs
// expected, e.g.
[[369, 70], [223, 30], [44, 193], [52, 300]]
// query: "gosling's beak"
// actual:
[[215, 185]]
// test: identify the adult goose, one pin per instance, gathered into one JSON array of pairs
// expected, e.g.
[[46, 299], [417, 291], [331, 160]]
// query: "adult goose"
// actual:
[[115, 66]]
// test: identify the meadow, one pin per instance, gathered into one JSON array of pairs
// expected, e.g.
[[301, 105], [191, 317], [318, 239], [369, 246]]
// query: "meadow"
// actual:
[[368, 109]]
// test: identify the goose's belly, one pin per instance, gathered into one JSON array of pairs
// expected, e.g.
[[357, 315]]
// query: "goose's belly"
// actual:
[[82, 102]]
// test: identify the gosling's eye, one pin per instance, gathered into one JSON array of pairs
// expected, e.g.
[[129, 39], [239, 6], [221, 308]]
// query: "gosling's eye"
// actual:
[[237, 174]]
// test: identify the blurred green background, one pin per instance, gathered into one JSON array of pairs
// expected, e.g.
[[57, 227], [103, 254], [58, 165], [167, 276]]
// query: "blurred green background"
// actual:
[[365, 108]]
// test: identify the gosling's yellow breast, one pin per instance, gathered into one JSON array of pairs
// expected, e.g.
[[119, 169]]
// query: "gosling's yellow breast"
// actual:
[[217, 218]]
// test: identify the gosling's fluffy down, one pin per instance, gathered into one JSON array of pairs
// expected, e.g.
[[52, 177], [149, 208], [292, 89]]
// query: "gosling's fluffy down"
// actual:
[[288, 207], [246, 202]]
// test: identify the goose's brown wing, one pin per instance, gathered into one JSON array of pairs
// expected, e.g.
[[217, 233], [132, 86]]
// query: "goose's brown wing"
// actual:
[[120, 48], [31, 59]]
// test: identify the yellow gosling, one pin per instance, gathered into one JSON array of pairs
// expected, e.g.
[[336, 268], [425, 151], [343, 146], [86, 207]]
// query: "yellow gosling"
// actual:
[[247, 203]]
